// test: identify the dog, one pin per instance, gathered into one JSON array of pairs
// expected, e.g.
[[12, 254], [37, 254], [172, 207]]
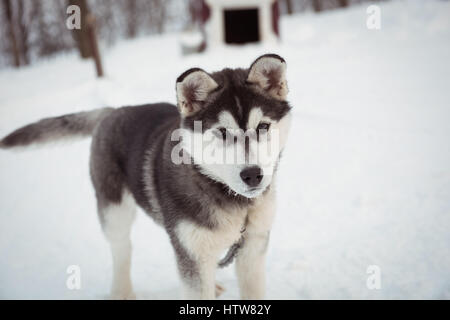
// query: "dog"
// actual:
[[147, 156]]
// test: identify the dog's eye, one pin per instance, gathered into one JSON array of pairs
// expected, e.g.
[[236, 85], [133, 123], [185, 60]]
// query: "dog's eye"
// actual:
[[263, 126], [221, 133]]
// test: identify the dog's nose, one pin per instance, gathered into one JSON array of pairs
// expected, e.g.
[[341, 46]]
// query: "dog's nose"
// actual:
[[252, 176]]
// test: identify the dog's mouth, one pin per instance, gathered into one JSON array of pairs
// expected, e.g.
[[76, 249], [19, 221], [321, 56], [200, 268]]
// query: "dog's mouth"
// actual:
[[253, 192]]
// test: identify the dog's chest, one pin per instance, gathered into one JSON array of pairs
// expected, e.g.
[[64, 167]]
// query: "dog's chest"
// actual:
[[200, 241], [230, 224]]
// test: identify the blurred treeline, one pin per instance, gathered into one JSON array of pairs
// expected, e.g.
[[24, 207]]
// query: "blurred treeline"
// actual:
[[30, 29], [39, 26], [295, 6]]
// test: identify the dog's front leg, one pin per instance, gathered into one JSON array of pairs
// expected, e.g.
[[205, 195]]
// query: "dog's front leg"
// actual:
[[251, 258], [250, 266], [197, 257], [200, 284]]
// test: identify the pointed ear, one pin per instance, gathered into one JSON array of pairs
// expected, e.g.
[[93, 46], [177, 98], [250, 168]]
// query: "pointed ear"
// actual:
[[193, 88], [269, 73]]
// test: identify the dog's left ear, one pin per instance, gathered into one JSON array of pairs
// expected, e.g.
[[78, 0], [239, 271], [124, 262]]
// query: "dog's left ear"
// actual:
[[193, 88], [269, 73]]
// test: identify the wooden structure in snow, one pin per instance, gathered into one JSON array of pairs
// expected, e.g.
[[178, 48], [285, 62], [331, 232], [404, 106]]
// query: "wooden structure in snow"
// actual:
[[237, 21]]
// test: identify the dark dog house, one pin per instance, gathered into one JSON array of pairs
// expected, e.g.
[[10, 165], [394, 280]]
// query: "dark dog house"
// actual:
[[239, 21]]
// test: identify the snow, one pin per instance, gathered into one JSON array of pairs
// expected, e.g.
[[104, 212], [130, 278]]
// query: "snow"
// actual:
[[365, 178]]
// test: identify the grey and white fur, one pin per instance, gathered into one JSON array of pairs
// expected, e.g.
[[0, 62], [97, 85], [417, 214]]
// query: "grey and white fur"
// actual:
[[203, 207]]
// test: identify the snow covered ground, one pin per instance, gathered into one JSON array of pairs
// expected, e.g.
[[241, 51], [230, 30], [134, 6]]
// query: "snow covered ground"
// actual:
[[365, 179]]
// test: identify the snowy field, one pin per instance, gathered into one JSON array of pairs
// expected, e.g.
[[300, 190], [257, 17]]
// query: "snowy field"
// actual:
[[365, 179]]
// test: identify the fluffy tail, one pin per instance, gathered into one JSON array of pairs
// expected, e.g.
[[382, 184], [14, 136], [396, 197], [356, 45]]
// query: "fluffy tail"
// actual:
[[53, 129]]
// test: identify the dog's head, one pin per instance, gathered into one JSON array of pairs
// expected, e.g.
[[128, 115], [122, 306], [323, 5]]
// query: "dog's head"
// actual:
[[235, 122]]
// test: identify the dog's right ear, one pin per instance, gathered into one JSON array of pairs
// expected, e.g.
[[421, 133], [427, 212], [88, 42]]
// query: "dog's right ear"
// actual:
[[193, 88]]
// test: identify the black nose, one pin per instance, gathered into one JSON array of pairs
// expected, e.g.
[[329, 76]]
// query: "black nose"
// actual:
[[252, 176]]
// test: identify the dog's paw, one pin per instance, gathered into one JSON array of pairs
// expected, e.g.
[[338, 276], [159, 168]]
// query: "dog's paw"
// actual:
[[219, 290]]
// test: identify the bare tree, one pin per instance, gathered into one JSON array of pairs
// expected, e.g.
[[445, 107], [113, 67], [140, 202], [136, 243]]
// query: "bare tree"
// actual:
[[82, 35], [94, 44], [105, 18], [12, 36], [159, 15], [317, 5], [86, 36], [131, 10], [343, 3], [289, 7], [22, 19]]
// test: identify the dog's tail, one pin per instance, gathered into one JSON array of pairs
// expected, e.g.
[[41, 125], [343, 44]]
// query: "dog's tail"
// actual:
[[53, 129]]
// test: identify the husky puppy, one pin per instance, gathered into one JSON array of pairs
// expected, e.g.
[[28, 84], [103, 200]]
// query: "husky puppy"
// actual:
[[145, 156]]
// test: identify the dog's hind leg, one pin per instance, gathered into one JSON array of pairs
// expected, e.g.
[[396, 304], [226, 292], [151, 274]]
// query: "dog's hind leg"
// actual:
[[116, 209], [117, 222]]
